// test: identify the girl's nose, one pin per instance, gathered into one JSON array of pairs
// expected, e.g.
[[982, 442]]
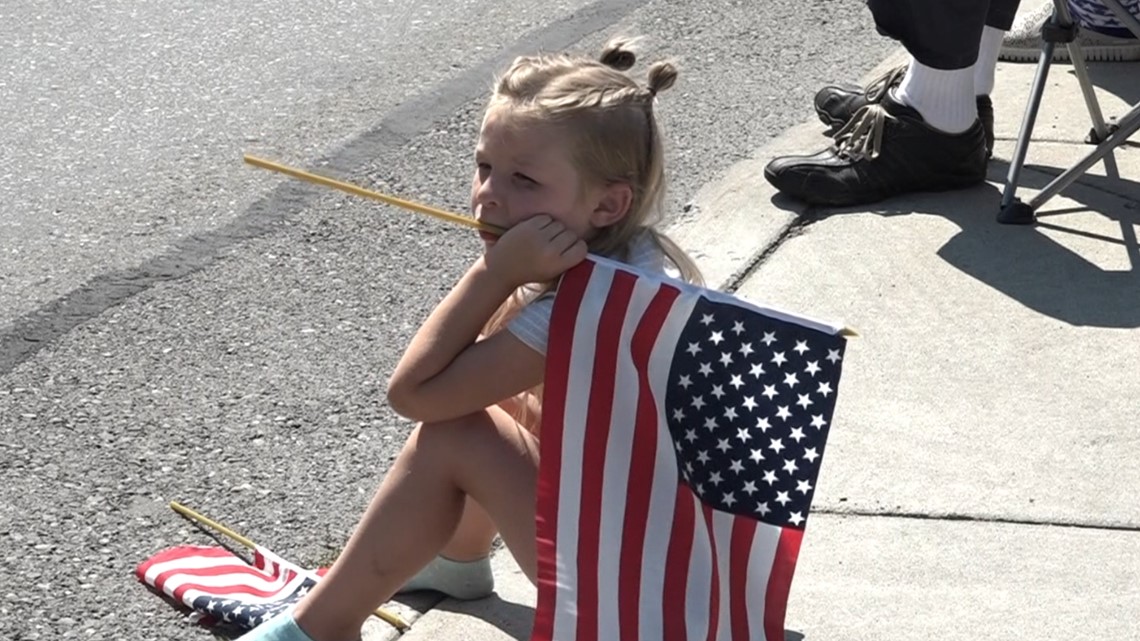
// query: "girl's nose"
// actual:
[[485, 194]]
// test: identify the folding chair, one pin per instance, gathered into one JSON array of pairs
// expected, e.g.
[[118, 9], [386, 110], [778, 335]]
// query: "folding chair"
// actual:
[[1106, 137]]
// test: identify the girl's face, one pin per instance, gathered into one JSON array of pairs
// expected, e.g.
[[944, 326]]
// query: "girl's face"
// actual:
[[524, 169]]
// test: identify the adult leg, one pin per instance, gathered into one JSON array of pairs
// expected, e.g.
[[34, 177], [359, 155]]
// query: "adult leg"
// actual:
[[925, 135], [943, 39], [415, 513], [999, 20]]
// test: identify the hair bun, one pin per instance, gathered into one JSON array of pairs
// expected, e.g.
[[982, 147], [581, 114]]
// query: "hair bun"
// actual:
[[662, 75], [616, 55]]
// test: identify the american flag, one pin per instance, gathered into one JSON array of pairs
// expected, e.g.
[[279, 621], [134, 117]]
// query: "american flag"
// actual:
[[221, 588], [682, 436]]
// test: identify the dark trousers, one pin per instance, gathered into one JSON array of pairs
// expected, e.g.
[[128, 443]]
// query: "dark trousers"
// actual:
[[943, 34]]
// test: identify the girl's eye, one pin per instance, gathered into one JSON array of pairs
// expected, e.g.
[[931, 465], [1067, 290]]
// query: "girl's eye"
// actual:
[[525, 179]]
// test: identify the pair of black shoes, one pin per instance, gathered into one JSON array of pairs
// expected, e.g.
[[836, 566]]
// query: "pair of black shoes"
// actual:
[[882, 148]]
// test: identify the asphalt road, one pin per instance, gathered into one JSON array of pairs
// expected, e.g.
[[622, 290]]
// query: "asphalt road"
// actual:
[[175, 325]]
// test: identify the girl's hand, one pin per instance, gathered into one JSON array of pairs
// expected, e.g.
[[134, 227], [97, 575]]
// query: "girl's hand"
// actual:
[[534, 251]]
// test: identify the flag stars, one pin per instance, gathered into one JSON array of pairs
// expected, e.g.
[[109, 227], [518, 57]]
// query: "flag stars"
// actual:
[[705, 369], [757, 370], [710, 423], [749, 402], [715, 479], [685, 381], [738, 328], [796, 518], [690, 435], [718, 391], [769, 477], [750, 488], [678, 415], [804, 401], [743, 435], [782, 412], [692, 349], [762, 508], [812, 368], [706, 320], [736, 381], [790, 466], [698, 402], [757, 455], [800, 348], [716, 338], [746, 350], [779, 358], [703, 457], [770, 392], [723, 445], [737, 466], [730, 413], [825, 389], [763, 424], [833, 355], [725, 359], [803, 487], [810, 454], [782, 498], [791, 380], [817, 421], [776, 445], [798, 434], [769, 338]]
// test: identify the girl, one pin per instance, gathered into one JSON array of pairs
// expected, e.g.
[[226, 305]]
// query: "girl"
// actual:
[[568, 161]]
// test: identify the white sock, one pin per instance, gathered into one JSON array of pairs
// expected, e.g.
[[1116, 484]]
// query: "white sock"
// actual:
[[944, 99], [988, 49], [459, 579]]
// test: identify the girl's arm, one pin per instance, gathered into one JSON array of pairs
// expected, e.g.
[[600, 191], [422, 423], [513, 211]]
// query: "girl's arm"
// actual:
[[446, 373]]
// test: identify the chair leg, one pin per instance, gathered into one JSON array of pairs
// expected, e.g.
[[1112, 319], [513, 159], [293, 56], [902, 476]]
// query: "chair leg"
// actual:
[[1013, 211], [1124, 129]]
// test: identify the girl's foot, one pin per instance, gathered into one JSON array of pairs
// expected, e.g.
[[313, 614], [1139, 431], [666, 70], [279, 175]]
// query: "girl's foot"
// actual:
[[280, 628], [464, 580]]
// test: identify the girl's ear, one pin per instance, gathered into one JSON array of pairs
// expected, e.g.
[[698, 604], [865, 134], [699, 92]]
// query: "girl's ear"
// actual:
[[613, 204]]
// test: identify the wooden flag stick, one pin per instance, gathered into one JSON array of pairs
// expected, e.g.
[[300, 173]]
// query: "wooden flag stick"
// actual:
[[375, 195], [399, 202], [388, 617]]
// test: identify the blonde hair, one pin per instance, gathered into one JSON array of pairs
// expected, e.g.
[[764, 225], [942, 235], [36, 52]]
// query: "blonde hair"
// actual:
[[614, 137]]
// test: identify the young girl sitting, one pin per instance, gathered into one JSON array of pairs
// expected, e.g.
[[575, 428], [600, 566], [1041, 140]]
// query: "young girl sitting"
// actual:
[[569, 161]]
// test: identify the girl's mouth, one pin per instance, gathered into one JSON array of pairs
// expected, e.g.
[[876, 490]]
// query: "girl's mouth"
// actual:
[[488, 237]]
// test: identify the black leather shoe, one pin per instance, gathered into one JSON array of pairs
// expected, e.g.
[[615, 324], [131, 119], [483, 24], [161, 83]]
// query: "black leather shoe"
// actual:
[[835, 104], [885, 149]]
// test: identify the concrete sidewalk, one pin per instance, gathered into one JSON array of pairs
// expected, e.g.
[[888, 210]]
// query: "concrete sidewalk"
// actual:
[[980, 477]]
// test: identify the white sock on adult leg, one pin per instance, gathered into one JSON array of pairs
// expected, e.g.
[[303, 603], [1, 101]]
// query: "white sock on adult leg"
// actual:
[[988, 49], [944, 98]]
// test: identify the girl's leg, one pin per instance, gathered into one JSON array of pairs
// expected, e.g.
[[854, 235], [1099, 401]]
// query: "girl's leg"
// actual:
[[462, 570], [417, 509], [474, 535]]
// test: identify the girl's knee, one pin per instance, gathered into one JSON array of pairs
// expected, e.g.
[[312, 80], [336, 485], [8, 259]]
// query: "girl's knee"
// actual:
[[451, 435]]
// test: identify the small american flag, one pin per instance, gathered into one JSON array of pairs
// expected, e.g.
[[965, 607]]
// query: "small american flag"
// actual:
[[221, 588], [682, 436]]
